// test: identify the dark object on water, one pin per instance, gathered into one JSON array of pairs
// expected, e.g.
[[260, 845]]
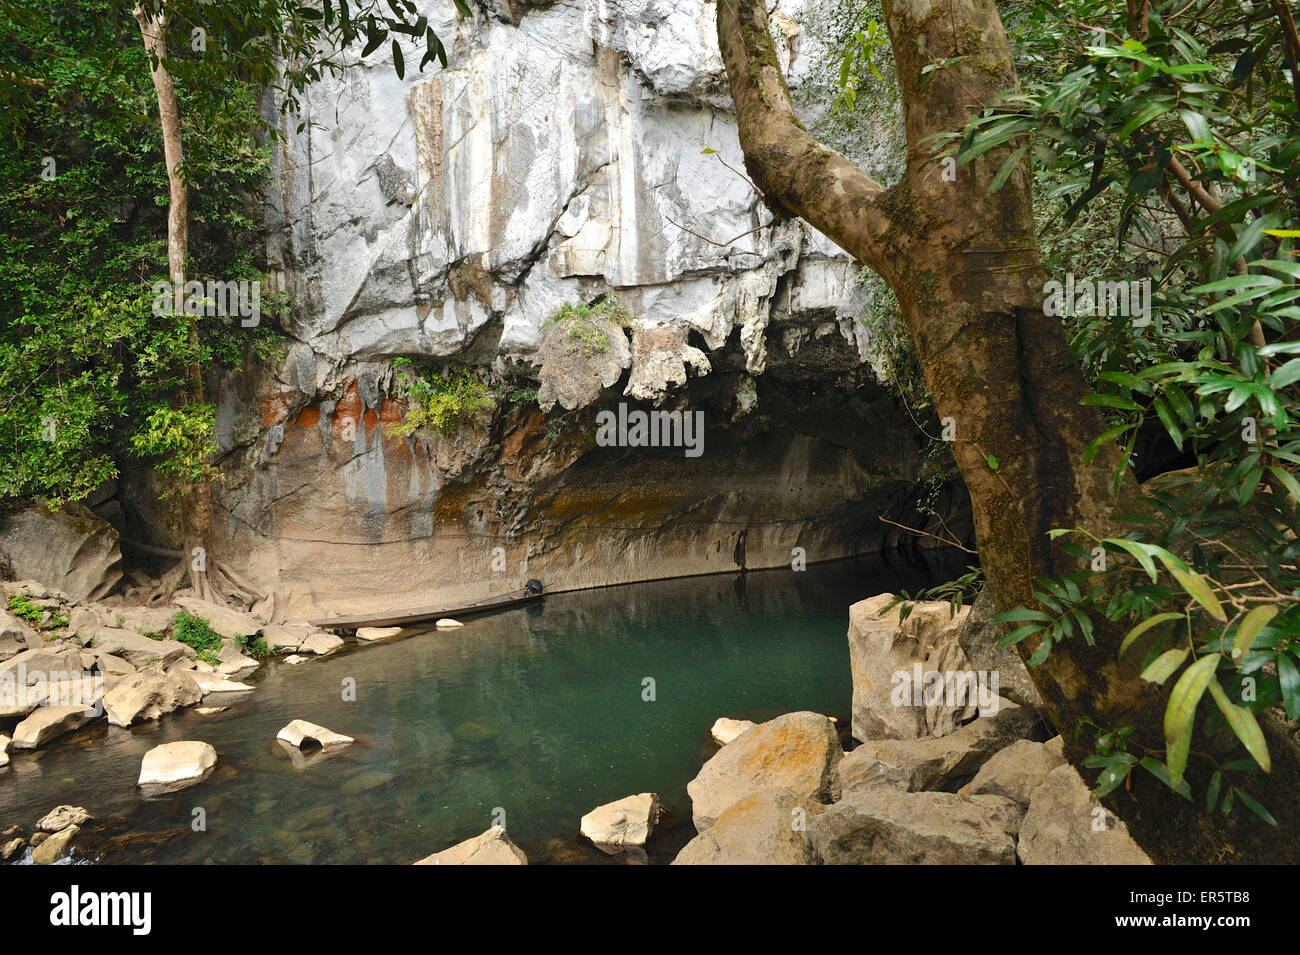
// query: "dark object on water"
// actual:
[[394, 618]]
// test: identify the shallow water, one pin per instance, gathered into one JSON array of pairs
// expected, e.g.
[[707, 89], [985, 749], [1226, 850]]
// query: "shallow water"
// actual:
[[537, 713]]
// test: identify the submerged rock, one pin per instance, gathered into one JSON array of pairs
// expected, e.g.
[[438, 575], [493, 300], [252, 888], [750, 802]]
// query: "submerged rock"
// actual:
[[797, 751], [177, 765], [471, 732], [626, 822], [491, 848], [371, 634]]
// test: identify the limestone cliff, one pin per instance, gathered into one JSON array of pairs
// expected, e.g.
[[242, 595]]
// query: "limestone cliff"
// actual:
[[571, 150]]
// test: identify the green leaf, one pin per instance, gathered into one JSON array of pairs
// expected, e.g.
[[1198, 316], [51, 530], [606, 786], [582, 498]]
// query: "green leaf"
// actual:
[[1212, 791], [1250, 627], [1004, 171], [1255, 807], [1021, 613], [398, 64], [1244, 725], [1180, 713], [1289, 676], [1163, 666], [1146, 625], [1193, 583]]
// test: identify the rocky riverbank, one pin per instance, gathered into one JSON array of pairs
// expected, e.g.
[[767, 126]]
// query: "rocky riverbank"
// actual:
[[949, 772]]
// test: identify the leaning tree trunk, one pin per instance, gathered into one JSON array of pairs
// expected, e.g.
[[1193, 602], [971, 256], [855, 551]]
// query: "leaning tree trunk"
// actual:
[[966, 270], [196, 502]]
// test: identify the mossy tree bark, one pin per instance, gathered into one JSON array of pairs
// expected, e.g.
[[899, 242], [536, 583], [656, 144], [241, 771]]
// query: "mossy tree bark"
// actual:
[[966, 270]]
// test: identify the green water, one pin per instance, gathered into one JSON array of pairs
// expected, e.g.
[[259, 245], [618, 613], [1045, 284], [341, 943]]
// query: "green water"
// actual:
[[538, 713]]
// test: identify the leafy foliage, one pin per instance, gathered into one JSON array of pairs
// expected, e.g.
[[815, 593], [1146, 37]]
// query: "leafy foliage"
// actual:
[[1185, 135], [443, 400], [197, 633], [585, 324]]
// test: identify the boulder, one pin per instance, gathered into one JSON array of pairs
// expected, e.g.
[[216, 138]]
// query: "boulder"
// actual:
[[215, 683], [491, 848], [282, 638], [889, 827], [978, 639], [918, 764], [61, 817], [370, 634], [111, 665], [10, 849], [40, 666], [446, 623], [627, 822], [225, 621], [49, 722], [231, 661], [299, 731], [70, 549], [797, 751], [138, 650], [16, 637], [4, 749], [320, 643], [145, 620], [762, 828], [54, 847], [150, 694], [1065, 825], [725, 730], [177, 765], [1015, 772], [294, 660], [908, 676]]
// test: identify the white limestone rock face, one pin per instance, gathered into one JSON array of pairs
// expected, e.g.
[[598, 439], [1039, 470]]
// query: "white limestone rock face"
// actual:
[[562, 153]]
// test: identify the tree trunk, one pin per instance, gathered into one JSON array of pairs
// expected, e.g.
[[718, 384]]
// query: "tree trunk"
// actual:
[[966, 270], [196, 506]]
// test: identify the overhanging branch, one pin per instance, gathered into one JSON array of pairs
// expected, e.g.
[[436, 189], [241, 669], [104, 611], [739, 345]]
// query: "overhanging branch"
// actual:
[[795, 172]]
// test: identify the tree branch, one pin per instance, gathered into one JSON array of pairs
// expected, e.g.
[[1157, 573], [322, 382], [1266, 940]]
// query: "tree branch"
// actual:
[[795, 173]]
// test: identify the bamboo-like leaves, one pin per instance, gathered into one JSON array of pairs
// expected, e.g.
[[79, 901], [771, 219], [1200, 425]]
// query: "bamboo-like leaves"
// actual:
[[1180, 713], [1243, 724]]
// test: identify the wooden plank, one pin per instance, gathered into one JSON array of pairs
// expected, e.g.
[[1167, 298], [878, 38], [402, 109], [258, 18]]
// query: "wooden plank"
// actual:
[[419, 614]]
